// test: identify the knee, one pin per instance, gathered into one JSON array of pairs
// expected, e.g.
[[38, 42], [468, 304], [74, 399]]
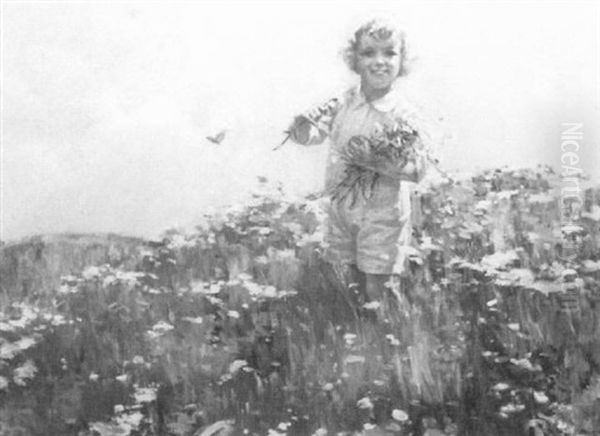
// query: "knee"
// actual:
[[376, 285]]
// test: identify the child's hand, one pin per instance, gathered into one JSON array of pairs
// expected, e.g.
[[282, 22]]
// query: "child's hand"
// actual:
[[358, 149], [313, 126], [299, 130]]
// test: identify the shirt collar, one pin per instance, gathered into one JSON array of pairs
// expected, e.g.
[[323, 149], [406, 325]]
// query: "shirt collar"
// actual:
[[386, 103]]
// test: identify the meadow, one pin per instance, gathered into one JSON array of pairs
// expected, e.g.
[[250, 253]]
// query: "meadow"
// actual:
[[239, 327]]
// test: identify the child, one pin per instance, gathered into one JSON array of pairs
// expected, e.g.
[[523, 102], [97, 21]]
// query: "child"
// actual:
[[366, 233]]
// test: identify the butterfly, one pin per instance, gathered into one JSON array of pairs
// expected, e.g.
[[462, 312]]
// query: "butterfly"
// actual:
[[218, 138]]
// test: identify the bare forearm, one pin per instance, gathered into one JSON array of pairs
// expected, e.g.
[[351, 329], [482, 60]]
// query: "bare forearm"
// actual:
[[305, 132]]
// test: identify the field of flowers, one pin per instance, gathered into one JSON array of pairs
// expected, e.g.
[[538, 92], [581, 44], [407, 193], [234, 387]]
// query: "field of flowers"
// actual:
[[240, 327]]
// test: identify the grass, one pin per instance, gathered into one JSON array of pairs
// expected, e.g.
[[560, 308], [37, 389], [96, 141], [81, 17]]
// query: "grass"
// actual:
[[240, 327]]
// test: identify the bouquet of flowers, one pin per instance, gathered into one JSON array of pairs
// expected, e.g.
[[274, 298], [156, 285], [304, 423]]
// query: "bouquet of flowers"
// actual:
[[367, 158]]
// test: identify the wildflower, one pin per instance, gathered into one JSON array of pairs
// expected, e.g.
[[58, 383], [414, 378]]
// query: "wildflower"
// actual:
[[236, 365], [6, 327], [499, 260], [399, 415], [570, 229], [67, 289], [589, 266], [197, 320], [59, 319], [261, 260], [354, 359], [372, 305], [214, 300], [287, 293], [131, 278], [69, 279], [129, 421], [511, 408], [365, 403], [392, 339], [224, 378], [162, 327], [283, 426], [525, 364], [91, 272], [492, 302], [122, 378], [428, 244], [19, 323], [350, 339], [144, 395], [270, 291], [500, 387], [315, 237], [265, 231], [108, 281], [392, 284], [540, 397], [8, 350], [26, 371]]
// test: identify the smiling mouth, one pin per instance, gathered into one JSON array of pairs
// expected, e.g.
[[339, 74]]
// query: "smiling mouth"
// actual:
[[380, 73]]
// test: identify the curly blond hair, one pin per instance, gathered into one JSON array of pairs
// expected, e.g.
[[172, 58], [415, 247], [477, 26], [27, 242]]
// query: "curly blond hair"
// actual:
[[380, 29]]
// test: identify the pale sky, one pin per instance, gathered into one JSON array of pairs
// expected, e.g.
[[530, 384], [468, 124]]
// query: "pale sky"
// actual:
[[105, 105]]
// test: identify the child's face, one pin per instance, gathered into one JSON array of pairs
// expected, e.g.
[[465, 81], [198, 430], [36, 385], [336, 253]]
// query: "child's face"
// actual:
[[378, 62]]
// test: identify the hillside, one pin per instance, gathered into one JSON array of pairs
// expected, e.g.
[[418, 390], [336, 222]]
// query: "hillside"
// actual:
[[240, 327]]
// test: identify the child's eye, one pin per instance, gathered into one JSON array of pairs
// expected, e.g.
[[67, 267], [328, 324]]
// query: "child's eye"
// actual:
[[368, 53], [391, 53]]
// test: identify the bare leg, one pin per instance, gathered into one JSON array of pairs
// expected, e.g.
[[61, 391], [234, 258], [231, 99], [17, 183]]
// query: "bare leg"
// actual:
[[376, 286], [376, 292], [357, 284]]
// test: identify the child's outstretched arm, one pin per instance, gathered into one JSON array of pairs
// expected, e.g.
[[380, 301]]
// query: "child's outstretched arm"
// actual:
[[314, 126], [304, 131]]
